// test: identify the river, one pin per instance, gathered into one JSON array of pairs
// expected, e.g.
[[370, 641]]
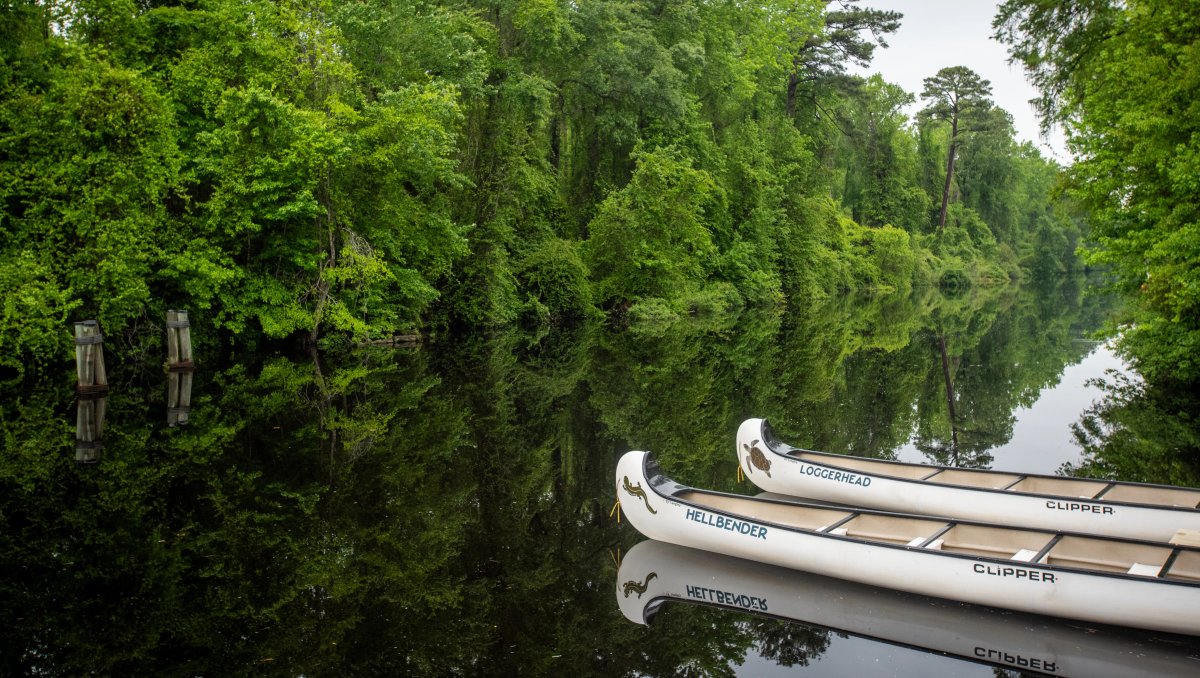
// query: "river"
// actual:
[[446, 509]]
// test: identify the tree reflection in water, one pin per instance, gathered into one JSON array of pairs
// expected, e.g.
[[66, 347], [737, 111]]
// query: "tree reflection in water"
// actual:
[[444, 510], [1140, 433]]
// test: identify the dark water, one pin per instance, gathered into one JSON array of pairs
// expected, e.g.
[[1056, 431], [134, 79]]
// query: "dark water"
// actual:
[[446, 509]]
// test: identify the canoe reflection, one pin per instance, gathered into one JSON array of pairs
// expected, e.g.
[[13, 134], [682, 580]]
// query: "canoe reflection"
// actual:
[[653, 573]]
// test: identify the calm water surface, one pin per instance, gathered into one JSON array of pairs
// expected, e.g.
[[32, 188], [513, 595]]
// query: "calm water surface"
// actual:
[[446, 509], [1042, 439]]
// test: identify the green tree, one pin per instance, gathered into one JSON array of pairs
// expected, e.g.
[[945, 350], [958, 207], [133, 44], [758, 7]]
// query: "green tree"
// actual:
[[227, 157], [987, 173], [819, 58], [88, 167], [881, 168], [653, 237], [957, 95], [321, 171], [1140, 432]]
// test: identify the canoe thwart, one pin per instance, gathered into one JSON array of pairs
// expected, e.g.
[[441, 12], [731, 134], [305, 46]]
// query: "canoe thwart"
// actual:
[[1013, 483], [1041, 555], [936, 537], [832, 529], [1184, 565]]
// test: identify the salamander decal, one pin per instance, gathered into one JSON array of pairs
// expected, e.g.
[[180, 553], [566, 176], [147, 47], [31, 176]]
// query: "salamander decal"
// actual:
[[756, 459], [634, 586], [637, 491]]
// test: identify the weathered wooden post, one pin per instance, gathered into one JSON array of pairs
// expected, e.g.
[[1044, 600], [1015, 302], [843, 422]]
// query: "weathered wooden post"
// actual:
[[179, 397], [89, 359], [89, 428], [179, 341], [179, 368]]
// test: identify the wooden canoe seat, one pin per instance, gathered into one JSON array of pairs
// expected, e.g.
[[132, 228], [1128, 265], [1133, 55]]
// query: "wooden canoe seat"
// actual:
[[1144, 570], [836, 527], [1024, 555], [935, 545], [1186, 538]]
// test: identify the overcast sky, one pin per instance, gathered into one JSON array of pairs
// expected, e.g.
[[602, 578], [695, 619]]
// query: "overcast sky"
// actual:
[[935, 34]]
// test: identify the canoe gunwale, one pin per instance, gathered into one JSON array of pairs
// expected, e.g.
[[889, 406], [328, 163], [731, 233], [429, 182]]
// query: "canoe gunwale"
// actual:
[[780, 449], [670, 490]]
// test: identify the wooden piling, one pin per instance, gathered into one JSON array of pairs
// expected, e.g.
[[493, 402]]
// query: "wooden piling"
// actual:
[[179, 342], [89, 360], [179, 397], [89, 429]]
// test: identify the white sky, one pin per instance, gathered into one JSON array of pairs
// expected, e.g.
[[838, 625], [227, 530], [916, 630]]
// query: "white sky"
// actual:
[[935, 34]]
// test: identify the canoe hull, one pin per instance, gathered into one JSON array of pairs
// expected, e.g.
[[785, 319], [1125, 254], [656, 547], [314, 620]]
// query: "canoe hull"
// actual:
[[1029, 587], [790, 476]]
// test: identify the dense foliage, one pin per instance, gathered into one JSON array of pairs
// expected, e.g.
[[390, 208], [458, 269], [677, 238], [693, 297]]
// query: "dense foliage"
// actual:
[[326, 169], [1123, 79]]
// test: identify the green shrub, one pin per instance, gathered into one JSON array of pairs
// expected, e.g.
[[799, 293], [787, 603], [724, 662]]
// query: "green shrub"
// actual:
[[555, 281], [954, 279], [714, 299], [34, 313], [653, 311]]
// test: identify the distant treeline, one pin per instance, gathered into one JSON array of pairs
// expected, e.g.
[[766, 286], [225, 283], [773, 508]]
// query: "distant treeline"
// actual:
[[347, 170]]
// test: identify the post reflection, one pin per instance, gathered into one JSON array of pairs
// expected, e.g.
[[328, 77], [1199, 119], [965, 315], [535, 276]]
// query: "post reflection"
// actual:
[[179, 397], [89, 429]]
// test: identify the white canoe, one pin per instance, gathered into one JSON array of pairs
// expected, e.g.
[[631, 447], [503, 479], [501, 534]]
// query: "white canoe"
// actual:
[[1115, 509], [1140, 584], [654, 573]]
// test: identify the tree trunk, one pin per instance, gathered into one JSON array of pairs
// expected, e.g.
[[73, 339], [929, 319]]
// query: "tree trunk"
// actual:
[[949, 172], [949, 397], [792, 85]]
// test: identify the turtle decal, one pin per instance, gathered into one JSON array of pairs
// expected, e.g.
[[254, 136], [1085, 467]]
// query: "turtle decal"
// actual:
[[755, 459], [637, 491], [638, 587]]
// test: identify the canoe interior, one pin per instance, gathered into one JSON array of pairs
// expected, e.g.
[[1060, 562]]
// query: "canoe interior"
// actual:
[[1153, 495], [1068, 487], [955, 476], [1172, 561]]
